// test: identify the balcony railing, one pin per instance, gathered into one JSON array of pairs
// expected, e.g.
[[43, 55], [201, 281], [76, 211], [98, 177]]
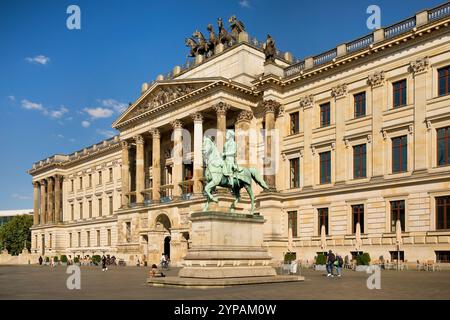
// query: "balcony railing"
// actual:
[[360, 43], [399, 28], [439, 12], [325, 57], [296, 68]]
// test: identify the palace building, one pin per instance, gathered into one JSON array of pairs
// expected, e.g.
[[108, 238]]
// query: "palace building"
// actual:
[[350, 141]]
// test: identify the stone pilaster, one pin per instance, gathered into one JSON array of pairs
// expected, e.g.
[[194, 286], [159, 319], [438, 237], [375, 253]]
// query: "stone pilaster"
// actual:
[[307, 103], [50, 200], [125, 173], [221, 110], [156, 164], [177, 172], [36, 203], [270, 107], [140, 174], [43, 184], [339, 93], [58, 198], [242, 137], [198, 155]]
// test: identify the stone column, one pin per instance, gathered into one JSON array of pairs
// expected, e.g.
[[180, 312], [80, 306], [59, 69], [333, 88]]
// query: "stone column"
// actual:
[[125, 173], [376, 81], [58, 198], [43, 202], [177, 172], [156, 167], [50, 200], [140, 174], [221, 109], [339, 93], [307, 103], [242, 138], [270, 107], [419, 69], [198, 155], [36, 203]]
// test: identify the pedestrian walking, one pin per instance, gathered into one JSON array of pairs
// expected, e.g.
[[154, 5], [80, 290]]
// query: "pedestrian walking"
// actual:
[[104, 268], [330, 263], [40, 260], [338, 263]]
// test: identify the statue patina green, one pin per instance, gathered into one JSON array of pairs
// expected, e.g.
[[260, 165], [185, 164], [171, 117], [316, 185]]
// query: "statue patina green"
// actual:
[[222, 171]]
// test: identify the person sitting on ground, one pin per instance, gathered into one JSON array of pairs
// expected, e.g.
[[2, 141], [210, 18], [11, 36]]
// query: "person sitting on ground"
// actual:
[[154, 272]]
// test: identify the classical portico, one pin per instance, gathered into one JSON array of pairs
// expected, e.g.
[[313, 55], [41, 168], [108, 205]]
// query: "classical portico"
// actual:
[[47, 200]]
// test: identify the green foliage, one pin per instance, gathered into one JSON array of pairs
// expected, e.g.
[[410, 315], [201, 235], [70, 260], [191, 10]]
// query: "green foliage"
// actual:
[[321, 259], [76, 260], [55, 259], [363, 259], [63, 258], [47, 259], [289, 256], [96, 259], [15, 234]]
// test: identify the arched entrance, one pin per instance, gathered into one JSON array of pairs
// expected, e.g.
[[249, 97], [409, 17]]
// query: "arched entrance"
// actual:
[[167, 246], [163, 226]]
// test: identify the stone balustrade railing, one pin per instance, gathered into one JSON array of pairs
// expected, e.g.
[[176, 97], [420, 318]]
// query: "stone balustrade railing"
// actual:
[[397, 29]]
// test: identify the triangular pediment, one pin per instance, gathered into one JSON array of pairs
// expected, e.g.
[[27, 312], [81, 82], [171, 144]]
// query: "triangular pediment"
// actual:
[[161, 94]]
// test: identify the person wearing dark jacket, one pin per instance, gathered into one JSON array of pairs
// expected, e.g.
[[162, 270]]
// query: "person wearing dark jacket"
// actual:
[[104, 268], [40, 260], [330, 261]]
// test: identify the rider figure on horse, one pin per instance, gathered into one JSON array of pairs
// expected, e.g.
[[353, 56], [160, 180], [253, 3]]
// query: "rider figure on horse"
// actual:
[[229, 157]]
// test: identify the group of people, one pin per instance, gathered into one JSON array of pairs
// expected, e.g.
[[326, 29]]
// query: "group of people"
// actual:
[[334, 261]]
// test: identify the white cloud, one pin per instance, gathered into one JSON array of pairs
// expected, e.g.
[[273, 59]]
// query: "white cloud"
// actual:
[[244, 3], [99, 112], [20, 197], [72, 140], [60, 136], [119, 107], [12, 98], [26, 104], [39, 59], [85, 124], [106, 133], [56, 114]]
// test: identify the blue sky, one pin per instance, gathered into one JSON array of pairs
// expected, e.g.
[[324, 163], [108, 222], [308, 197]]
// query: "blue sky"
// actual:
[[61, 89]]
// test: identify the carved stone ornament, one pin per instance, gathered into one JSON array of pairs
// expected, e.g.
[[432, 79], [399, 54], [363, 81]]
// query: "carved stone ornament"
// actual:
[[376, 79], [139, 139], [270, 106], [280, 111], [221, 108], [155, 133], [176, 124], [197, 117], [339, 91], [125, 144], [307, 101], [245, 115], [419, 65]]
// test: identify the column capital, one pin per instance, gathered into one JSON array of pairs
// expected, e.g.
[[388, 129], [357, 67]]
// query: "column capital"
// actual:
[[197, 117], [155, 133], [125, 144], [270, 106], [307, 101], [245, 116], [176, 124], [35, 184], [419, 65], [139, 139], [43, 182], [376, 79], [221, 108], [339, 91], [58, 177]]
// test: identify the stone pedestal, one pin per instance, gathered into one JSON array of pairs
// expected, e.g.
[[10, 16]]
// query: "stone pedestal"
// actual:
[[227, 249]]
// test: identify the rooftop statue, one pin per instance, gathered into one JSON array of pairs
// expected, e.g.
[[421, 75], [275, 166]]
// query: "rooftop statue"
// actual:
[[222, 171], [269, 49], [236, 26]]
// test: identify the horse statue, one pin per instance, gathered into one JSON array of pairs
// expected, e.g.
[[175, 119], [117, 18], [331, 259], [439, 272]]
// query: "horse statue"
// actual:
[[203, 46], [213, 40], [224, 37], [214, 177], [236, 26], [193, 45]]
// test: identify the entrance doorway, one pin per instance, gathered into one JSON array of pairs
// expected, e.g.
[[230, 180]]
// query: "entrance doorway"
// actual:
[[43, 244], [167, 246]]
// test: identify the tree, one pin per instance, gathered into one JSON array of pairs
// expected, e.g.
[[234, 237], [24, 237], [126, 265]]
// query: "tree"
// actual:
[[16, 233]]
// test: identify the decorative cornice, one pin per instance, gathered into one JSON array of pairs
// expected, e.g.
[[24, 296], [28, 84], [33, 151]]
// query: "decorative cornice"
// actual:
[[307, 101], [339, 91], [176, 124], [245, 115], [376, 79], [221, 108], [197, 117], [419, 65]]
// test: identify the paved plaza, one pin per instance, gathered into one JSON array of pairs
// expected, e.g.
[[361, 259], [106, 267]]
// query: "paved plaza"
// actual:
[[35, 282]]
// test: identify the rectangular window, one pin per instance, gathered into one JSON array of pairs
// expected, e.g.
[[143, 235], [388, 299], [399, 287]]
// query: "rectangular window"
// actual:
[[111, 174], [360, 104], [71, 185], [99, 177], [81, 210], [70, 240], [109, 237], [90, 180], [90, 208], [128, 231], [358, 217], [397, 213], [98, 238], [399, 93], [399, 154], [359, 161], [325, 115], [294, 122], [81, 182], [72, 212], [442, 256], [325, 167], [188, 174], [443, 146], [111, 206], [323, 219], [444, 81], [292, 222], [88, 238], [100, 207], [50, 240], [79, 239], [442, 213], [294, 172]]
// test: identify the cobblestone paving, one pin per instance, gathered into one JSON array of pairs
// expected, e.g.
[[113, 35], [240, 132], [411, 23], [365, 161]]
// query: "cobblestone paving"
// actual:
[[43, 282]]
